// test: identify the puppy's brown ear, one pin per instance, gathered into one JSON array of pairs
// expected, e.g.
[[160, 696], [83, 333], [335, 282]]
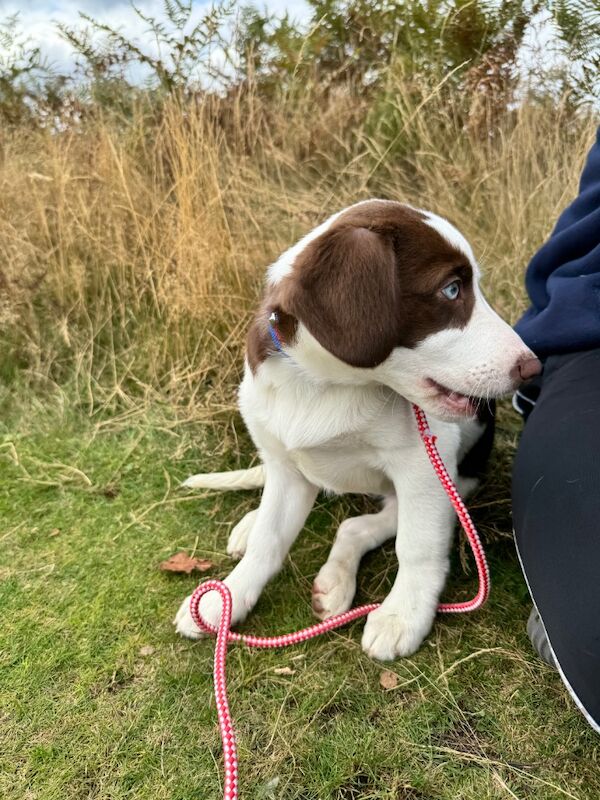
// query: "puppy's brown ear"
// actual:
[[344, 289]]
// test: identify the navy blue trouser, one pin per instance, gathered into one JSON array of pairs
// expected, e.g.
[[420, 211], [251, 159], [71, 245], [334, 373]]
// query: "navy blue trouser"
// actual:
[[556, 514]]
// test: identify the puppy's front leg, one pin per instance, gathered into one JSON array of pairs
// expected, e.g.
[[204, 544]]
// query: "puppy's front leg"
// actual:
[[425, 523], [285, 504]]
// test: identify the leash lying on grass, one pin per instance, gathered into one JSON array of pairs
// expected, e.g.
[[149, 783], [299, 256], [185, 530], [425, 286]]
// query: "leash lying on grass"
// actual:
[[225, 635]]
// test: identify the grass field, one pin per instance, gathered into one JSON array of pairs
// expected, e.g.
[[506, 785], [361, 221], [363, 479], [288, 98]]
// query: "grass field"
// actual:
[[100, 699], [131, 258]]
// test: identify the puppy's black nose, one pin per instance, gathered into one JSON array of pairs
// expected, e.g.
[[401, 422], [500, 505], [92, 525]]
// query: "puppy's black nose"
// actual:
[[526, 368]]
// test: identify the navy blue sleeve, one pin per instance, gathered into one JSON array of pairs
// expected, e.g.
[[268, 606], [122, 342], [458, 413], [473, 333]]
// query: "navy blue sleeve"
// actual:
[[563, 278]]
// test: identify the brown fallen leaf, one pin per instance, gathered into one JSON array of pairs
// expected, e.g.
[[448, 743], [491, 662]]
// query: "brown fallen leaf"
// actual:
[[181, 562], [388, 680], [146, 650]]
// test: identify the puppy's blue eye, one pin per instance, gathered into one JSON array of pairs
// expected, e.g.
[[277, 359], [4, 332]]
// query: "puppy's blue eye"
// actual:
[[451, 291]]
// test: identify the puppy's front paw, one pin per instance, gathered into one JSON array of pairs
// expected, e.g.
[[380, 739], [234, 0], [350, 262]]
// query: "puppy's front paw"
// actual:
[[333, 590], [184, 624], [389, 635], [242, 600], [210, 611]]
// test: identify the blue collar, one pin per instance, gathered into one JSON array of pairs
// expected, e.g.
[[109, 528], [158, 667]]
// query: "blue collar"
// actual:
[[274, 334]]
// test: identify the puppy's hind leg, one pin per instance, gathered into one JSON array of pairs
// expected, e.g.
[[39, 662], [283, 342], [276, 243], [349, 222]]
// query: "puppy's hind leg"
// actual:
[[335, 585], [238, 538]]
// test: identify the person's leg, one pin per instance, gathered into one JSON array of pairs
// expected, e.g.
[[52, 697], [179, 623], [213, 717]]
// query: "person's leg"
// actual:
[[556, 513]]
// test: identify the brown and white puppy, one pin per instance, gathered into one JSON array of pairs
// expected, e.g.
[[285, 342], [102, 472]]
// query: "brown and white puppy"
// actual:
[[379, 307]]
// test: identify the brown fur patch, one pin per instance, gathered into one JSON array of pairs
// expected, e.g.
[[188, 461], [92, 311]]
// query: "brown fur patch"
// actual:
[[370, 283]]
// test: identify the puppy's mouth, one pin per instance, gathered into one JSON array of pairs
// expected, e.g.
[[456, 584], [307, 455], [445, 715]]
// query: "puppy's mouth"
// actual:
[[454, 402]]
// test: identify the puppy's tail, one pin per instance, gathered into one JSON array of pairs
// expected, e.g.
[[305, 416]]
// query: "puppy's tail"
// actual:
[[253, 478]]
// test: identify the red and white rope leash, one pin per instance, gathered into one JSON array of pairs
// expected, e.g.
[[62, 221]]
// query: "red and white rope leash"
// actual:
[[225, 635]]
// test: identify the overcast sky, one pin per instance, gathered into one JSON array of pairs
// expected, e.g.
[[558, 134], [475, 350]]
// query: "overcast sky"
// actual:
[[38, 18]]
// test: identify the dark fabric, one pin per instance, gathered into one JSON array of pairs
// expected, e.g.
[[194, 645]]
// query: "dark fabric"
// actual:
[[525, 398], [563, 278], [474, 462], [556, 514]]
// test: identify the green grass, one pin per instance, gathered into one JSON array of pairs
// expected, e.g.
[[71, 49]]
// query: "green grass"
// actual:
[[90, 507]]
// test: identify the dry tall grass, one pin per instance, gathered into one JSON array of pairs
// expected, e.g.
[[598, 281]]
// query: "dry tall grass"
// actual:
[[132, 254]]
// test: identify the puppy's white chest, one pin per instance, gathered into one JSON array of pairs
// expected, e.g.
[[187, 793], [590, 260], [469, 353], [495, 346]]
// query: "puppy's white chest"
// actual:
[[302, 415], [335, 435], [349, 467]]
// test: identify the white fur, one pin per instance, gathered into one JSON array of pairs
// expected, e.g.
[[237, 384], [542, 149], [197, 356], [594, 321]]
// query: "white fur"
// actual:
[[452, 236], [321, 424], [334, 586], [238, 538], [252, 478]]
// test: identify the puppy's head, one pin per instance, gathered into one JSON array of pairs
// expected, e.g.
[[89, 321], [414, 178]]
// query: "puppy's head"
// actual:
[[388, 293]]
